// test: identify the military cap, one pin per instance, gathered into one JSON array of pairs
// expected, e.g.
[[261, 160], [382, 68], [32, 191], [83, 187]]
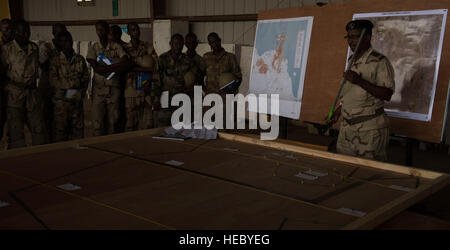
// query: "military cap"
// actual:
[[359, 24]]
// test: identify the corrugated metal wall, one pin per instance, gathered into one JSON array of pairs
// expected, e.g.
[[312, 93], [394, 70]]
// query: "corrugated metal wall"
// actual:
[[65, 10], [68, 10], [231, 32]]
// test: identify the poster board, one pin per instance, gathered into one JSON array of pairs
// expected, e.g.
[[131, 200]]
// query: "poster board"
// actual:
[[328, 53], [412, 41], [279, 60]]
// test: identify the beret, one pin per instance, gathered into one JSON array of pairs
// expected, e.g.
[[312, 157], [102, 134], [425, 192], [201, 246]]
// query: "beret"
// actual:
[[359, 24]]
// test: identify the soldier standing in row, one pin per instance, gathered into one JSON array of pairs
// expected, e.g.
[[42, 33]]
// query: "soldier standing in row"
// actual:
[[221, 68], [218, 64], [48, 51], [21, 61], [106, 89], [69, 78], [198, 69], [173, 66], [115, 35], [138, 101], [7, 36], [199, 65]]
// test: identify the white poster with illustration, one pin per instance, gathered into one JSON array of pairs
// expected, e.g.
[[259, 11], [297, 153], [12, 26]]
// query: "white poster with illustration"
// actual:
[[279, 62]]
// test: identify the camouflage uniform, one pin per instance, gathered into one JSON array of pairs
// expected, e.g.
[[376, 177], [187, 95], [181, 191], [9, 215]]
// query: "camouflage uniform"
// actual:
[[105, 93], [199, 68], [47, 51], [172, 79], [64, 76], [368, 137], [25, 104], [138, 104], [224, 62]]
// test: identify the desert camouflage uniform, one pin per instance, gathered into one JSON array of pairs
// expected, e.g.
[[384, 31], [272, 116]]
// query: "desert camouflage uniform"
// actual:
[[47, 51], [25, 104], [199, 68], [68, 75], [224, 62], [367, 139], [171, 79], [105, 93], [138, 104]]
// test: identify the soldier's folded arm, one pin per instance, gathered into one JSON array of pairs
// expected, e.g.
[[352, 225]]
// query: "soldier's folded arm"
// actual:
[[97, 67], [384, 86], [120, 66], [382, 93]]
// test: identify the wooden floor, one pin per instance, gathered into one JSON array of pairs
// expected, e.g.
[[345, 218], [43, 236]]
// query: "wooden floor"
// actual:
[[127, 182]]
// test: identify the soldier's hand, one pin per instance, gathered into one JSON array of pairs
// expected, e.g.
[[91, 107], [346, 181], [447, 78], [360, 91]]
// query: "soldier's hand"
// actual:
[[100, 69], [332, 120], [230, 90], [334, 117], [352, 77]]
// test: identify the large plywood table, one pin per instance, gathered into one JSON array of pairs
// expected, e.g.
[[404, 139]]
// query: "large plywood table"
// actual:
[[236, 182]]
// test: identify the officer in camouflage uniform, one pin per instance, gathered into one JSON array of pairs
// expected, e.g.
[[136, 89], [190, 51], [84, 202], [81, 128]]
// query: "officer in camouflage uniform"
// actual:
[[115, 35], [218, 62], [173, 66], [138, 103], [199, 65], [106, 93], [48, 51], [21, 60], [7, 36], [198, 70], [369, 83], [69, 78]]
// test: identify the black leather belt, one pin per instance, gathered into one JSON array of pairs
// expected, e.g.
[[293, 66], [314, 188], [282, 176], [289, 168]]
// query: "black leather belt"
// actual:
[[364, 118]]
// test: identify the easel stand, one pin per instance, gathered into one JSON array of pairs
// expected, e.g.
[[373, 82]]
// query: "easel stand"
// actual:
[[283, 128], [409, 151]]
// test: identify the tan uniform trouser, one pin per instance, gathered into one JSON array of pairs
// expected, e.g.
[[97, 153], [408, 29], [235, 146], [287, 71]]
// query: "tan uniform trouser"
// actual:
[[369, 144], [68, 122], [139, 113], [105, 112], [30, 114]]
